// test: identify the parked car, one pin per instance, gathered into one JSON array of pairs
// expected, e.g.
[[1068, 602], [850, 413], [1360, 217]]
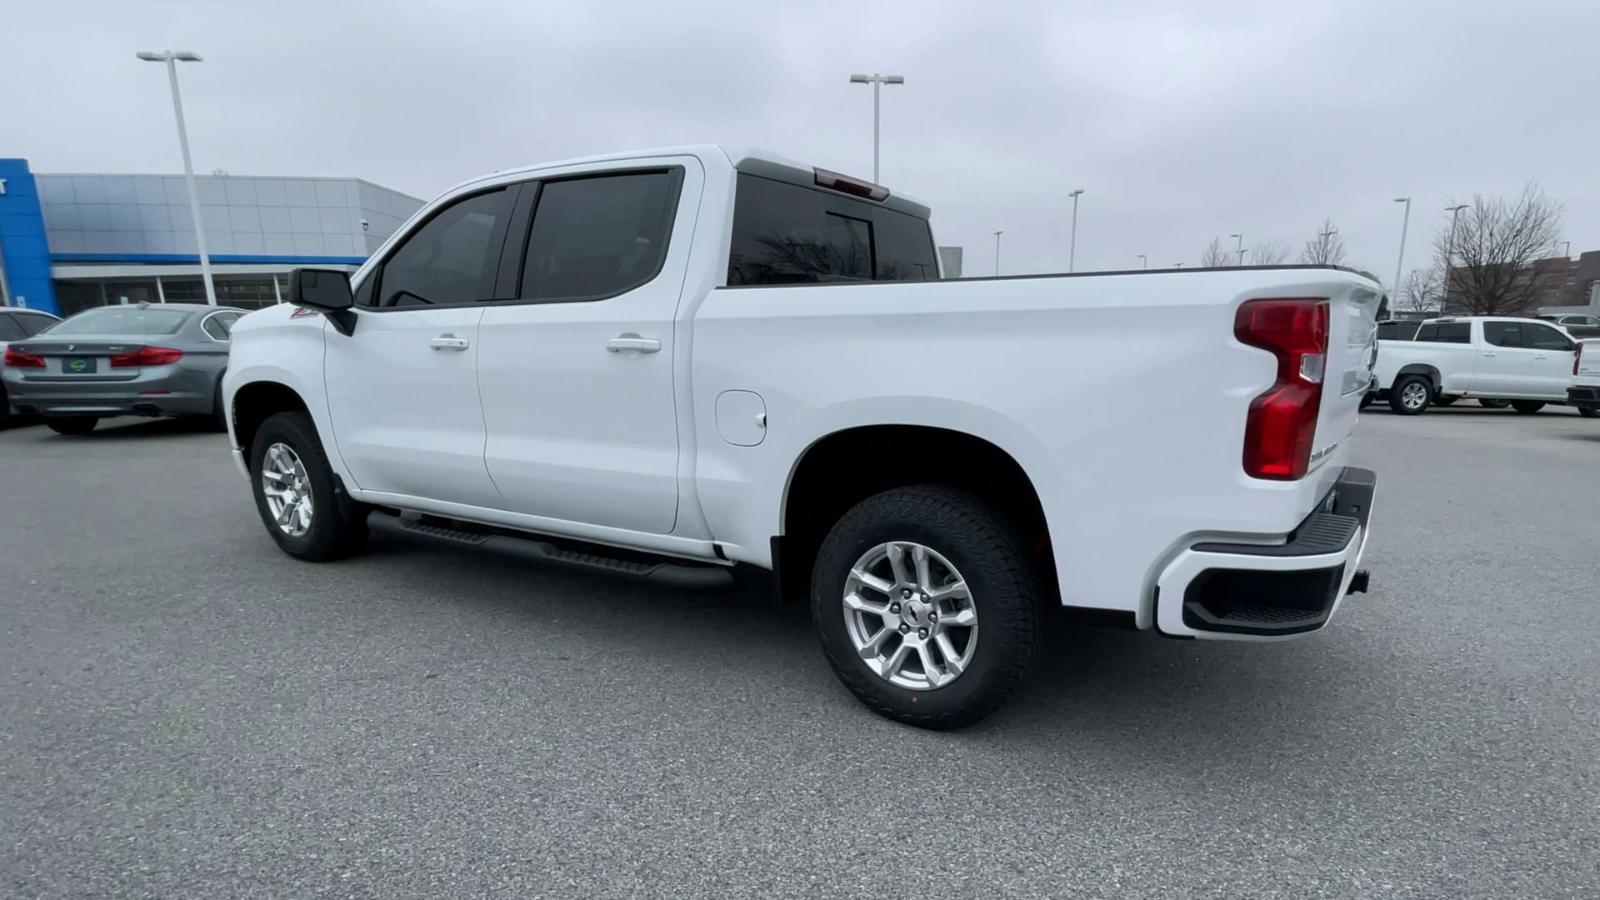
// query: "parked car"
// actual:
[[17, 324], [163, 359], [1579, 326], [1398, 329], [1584, 393], [1525, 362], [673, 364]]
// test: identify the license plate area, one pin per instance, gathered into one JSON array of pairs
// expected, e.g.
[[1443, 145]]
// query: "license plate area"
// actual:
[[79, 365]]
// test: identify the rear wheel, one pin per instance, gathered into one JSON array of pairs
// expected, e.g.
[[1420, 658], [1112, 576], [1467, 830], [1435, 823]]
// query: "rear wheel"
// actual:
[[1444, 400], [900, 587], [1489, 403], [1527, 407], [73, 424], [1588, 412], [218, 420], [297, 494], [1411, 394]]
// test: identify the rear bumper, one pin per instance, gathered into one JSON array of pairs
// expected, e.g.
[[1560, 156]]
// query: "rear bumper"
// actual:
[[1584, 397], [1248, 591], [172, 393]]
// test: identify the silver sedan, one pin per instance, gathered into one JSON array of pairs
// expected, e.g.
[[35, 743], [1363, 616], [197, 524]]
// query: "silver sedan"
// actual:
[[153, 359]]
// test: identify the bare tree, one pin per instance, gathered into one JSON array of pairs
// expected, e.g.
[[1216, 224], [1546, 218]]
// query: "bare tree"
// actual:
[[1421, 290], [1326, 249], [1490, 257], [1269, 253], [1218, 256]]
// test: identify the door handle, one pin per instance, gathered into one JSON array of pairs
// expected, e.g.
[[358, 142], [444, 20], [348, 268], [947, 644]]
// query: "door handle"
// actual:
[[1540, 356], [448, 342], [1487, 353], [631, 341]]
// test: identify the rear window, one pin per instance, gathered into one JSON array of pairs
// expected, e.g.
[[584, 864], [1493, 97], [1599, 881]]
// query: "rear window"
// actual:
[[106, 320], [1446, 333], [789, 234], [1397, 331]]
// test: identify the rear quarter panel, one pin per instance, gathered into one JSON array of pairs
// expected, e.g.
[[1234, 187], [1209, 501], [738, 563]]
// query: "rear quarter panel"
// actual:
[[1122, 397]]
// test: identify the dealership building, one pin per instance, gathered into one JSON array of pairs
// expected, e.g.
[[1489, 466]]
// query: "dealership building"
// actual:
[[69, 242]]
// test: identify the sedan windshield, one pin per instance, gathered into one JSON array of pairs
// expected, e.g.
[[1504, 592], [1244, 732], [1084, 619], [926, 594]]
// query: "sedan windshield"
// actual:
[[111, 320]]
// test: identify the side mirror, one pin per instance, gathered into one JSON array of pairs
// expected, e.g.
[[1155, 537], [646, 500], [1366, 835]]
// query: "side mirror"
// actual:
[[327, 291]]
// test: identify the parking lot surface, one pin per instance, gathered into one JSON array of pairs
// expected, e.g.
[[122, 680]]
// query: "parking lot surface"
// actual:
[[187, 712]]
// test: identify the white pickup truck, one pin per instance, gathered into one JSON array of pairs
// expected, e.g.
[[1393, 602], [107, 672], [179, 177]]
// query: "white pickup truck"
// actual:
[[1584, 392], [682, 363], [1497, 359]]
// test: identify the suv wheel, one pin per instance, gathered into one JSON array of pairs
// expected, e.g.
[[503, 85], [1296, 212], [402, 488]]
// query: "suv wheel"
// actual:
[[927, 606], [297, 494], [1410, 394], [1527, 407]]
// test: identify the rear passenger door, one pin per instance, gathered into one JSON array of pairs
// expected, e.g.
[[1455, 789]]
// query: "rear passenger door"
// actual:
[[576, 367], [1503, 360]]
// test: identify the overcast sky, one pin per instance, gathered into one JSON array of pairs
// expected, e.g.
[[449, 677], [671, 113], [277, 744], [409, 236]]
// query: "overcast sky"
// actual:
[[1181, 120]]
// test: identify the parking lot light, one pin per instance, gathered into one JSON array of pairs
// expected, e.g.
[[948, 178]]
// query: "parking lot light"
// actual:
[[172, 58]]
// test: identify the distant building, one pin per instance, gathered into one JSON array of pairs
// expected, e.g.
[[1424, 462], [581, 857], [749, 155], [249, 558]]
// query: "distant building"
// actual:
[[1562, 284], [950, 261], [70, 242]]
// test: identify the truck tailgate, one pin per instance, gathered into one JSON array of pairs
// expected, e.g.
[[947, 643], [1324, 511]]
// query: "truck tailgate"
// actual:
[[1352, 350]]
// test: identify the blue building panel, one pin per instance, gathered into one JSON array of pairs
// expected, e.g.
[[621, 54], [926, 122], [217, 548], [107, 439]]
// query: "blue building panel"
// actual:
[[24, 251]]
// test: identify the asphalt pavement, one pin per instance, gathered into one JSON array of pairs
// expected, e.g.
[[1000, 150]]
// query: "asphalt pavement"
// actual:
[[186, 712]]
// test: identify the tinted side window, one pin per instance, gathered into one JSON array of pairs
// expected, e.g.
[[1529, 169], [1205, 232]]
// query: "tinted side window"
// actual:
[[790, 234], [9, 329], [452, 258], [1397, 331], [1455, 333], [1428, 333], [213, 328], [32, 324], [598, 237], [1543, 337], [1503, 334]]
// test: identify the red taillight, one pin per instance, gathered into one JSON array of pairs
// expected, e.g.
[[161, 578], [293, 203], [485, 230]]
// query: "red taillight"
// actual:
[[16, 359], [146, 356], [1283, 421]]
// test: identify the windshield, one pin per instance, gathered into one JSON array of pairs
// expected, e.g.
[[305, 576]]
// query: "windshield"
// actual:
[[117, 320]]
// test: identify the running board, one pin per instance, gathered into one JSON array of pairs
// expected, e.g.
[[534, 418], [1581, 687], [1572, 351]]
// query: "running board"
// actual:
[[539, 550]]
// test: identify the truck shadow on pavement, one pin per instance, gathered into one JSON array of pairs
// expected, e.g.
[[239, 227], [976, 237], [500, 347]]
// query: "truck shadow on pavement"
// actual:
[[1100, 692]]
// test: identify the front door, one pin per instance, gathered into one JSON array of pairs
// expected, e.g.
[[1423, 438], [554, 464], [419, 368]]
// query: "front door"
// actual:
[[403, 386], [576, 373], [1550, 370]]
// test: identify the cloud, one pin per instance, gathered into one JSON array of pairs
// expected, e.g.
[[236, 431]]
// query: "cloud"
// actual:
[[1181, 122]]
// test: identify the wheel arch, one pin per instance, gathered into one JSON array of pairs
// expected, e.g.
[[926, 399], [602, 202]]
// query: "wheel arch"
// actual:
[[847, 465], [1431, 372], [254, 401]]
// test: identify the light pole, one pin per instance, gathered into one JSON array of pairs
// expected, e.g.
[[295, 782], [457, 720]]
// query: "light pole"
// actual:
[[1241, 246], [1144, 260], [172, 58], [1567, 250], [1072, 250], [877, 81], [1242, 252], [997, 251], [1405, 223], [1177, 265], [1449, 251]]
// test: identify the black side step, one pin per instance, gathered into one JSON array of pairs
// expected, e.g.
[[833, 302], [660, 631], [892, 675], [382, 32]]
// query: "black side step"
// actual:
[[533, 548]]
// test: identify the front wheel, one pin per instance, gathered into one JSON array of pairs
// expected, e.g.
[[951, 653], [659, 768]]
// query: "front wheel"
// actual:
[[72, 425], [297, 493], [927, 605], [1491, 403], [1527, 407], [1410, 395]]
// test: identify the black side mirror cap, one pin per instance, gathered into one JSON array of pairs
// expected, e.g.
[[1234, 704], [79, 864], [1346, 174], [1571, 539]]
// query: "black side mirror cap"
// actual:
[[327, 291]]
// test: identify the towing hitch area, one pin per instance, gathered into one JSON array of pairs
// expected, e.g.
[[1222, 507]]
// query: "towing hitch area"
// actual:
[[1358, 582]]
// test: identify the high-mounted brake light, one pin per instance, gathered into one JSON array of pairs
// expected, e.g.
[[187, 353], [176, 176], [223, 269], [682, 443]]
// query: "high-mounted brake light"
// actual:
[[844, 184], [146, 356], [1282, 422], [16, 359]]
